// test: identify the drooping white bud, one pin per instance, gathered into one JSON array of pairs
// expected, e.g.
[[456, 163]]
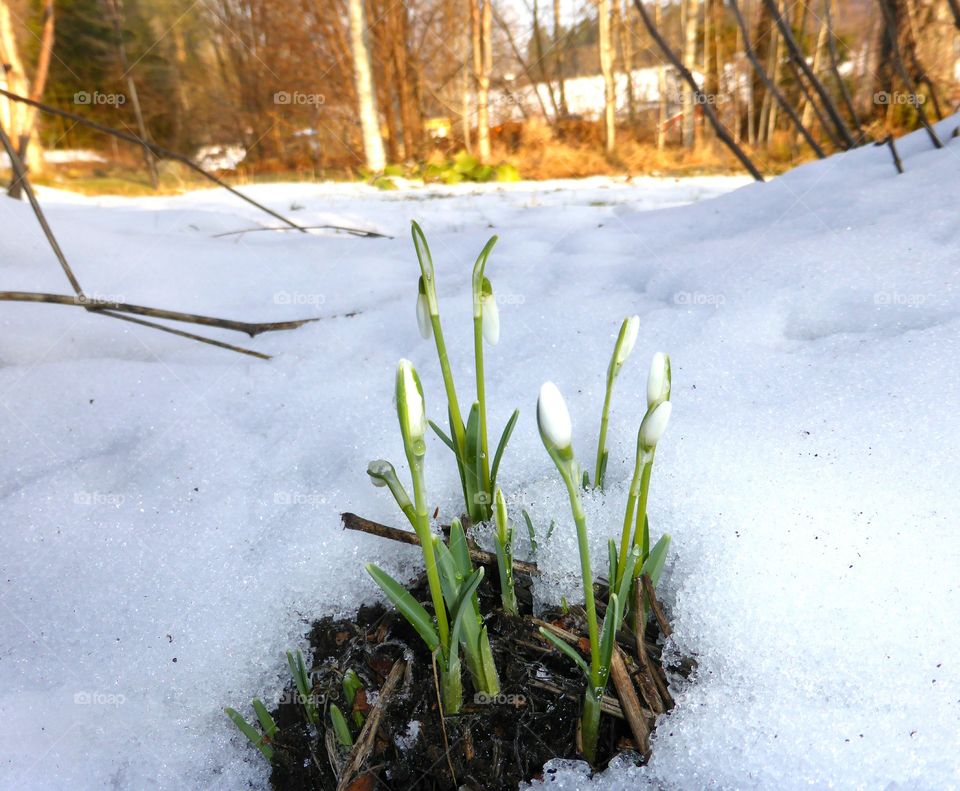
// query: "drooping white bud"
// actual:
[[632, 328], [378, 470], [553, 417], [410, 402], [654, 424], [657, 382], [490, 321]]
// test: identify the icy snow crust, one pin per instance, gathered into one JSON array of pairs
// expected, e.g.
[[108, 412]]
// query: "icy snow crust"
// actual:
[[170, 511]]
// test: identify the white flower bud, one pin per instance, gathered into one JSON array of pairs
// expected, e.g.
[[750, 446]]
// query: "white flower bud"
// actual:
[[657, 384], [490, 321], [423, 314], [411, 401], [553, 417], [654, 424], [632, 327], [378, 470]]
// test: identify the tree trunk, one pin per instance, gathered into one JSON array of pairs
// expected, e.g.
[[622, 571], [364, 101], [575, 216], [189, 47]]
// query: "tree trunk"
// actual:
[[17, 118], [36, 91], [690, 25], [807, 114], [366, 98], [626, 54], [558, 55], [606, 69], [661, 85], [481, 16]]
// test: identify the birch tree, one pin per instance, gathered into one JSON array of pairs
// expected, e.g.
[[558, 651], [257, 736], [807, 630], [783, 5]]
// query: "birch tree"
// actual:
[[692, 10], [366, 97], [481, 28], [606, 68]]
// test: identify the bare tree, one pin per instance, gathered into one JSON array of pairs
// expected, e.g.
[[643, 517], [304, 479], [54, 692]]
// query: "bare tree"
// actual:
[[366, 98], [18, 119], [481, 27], [558, 56], [691, 12], [606, 69]]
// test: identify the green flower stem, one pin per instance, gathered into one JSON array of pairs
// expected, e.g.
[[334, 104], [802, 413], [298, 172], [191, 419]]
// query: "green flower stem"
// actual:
[[638, 471], [459, 437], [590, 724], [641, 537], [586, 574], [604, 418], [482, 400], [422, 528]]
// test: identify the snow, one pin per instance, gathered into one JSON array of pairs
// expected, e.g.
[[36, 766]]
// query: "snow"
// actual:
[[170, 510]]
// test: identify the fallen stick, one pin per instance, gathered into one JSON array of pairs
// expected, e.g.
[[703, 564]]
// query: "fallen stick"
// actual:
[[182, 334], [662, 621], [888, 141], [106, 306], [20, 177], [608, 704], [364, 744], [629, 702], [658, 680], [158, 151], [701, 98], [354, 522], [352, 231]]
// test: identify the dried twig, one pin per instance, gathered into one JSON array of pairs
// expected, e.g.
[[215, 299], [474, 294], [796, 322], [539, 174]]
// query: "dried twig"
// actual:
[[651, 595], [150, 146], [629, 701], [20, 177], [365, 741], [770, 84], [650, 674], [354, 522], [352, 231], [708, 110], [106, 306], [801, 62], [889, 143], [182, 334], [891, 31]]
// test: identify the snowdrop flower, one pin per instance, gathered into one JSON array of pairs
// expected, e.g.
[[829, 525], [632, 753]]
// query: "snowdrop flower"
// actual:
[[553, 418], [658, 380], [490, 319], [654, 424], [410, 408], [423, 312], [631, 327], [626, 340], [379, 470]]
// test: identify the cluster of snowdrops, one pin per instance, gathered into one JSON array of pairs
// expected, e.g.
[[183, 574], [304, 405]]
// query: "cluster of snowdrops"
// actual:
[[456, 632]]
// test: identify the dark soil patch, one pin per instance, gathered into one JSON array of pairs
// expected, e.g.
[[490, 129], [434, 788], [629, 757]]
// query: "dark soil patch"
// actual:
[[489, 745]]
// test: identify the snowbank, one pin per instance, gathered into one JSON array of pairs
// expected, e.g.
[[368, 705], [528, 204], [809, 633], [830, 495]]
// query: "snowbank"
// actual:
[[170, 511]]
